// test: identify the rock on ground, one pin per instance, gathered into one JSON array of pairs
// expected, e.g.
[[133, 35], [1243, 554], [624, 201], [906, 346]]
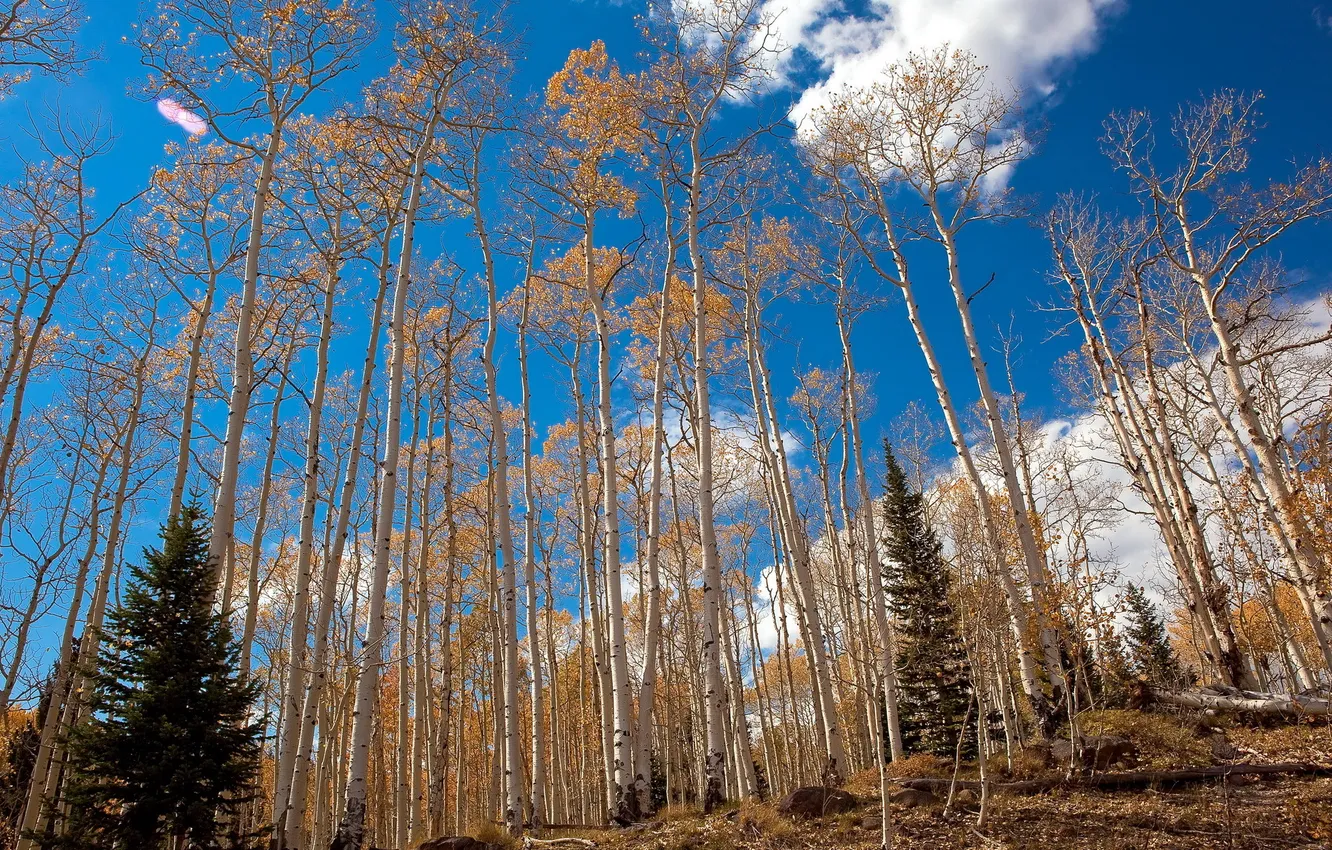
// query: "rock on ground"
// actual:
[[910, 798], [1096, 752], [816, 802]]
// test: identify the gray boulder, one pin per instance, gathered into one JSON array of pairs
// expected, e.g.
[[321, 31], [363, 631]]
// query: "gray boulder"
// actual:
[[910, 798], [1095, 752], [815, 802], [1223, 750]]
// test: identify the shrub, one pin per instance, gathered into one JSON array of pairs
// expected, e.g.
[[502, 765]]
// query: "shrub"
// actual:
[[1162, 740], [918, 765], [761, 820], [493, 833]]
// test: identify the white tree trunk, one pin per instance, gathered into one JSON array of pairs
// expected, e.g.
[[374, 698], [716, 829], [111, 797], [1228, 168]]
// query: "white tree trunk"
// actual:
[[351, 830], [540, 809], [887, 639], [288, 742], [242, 377], [648, 690], [714, 792]]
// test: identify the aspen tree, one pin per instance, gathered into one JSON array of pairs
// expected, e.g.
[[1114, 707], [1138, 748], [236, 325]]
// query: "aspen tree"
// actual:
[[194, 49], [708, 54], [193, 232], [918, 128], [431, 99], [595, 120], [647, 692], [39, 36], [135, 334], [756, 258], [389, 205], [49, 226], [531, 519], [322, 179], [1214, 241]]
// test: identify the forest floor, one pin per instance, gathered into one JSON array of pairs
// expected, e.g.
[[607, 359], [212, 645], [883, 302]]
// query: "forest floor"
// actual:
[[1238, 814]]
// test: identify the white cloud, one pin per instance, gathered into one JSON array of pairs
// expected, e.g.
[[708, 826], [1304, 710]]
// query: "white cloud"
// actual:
[[1022, 41]]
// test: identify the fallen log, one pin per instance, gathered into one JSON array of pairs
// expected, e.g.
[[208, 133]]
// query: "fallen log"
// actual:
[[1233, 699], [1128, 779]]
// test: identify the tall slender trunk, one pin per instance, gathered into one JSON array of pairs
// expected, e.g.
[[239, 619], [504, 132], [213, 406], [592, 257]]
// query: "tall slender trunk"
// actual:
[[514, 806], [1037, 578], [795, 535], [288, 742], [242, 377], [402, 796], [887, 638], [351, 830], [1274, 481], [530, 519], [648, 690], [624, 804], [1018, 609], [714, 793], [65, 672], [261, 517], [204, 312], [422, 716], [328, 587], [42, 786]]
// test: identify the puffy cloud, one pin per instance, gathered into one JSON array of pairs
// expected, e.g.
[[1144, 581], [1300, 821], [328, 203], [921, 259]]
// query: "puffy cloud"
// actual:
[[1022, 41]]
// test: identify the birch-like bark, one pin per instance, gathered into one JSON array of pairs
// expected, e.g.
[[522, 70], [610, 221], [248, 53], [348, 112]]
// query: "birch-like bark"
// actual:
[[422, 716], [204, 312], [887, 637], [515, 804], [351, 831], [1037, 578], [624, 803], [402, 796], [328, 587], [261, 517], [531, 517], [288, 743], [648, 689], [714, 793], [242, 367], [42, 787], [797, 541]]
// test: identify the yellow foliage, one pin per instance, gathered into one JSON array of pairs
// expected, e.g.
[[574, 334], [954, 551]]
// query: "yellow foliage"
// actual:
[[598, 117]]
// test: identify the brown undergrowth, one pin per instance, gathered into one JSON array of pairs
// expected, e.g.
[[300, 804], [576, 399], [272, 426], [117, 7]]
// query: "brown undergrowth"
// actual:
[[1239, 814]]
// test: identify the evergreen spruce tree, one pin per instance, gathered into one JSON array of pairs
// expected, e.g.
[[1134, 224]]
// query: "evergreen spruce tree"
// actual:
[[934, 680], [170, 751], [1150, 654], [1116, 677]]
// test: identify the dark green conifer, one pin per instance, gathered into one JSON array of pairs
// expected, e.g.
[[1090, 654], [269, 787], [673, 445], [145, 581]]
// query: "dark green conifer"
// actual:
[[170, 751], [934, 680], [1150, 654]]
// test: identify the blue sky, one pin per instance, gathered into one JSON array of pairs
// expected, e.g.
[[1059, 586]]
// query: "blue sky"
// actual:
[[1150, 54], [1138, 54]]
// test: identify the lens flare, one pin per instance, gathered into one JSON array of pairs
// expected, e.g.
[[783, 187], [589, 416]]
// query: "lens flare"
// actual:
[[177, 114]]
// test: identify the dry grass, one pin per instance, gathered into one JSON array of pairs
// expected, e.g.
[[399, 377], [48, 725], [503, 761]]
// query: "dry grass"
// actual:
[[1163, 740], [761, 821], [864, 785], [492, 833], [921, 764], [677, 812], [1296, 742], [1028, 763], [1288, 813], [1276, 812]]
